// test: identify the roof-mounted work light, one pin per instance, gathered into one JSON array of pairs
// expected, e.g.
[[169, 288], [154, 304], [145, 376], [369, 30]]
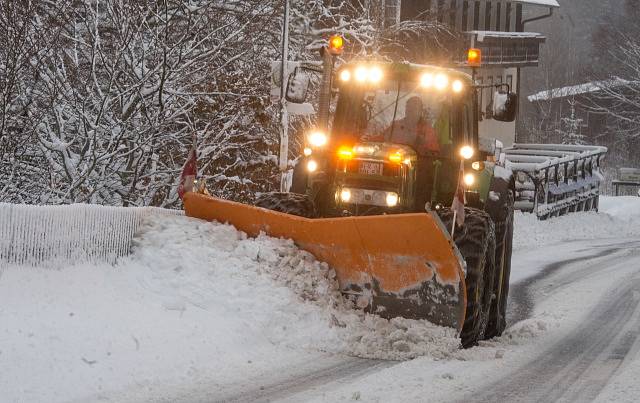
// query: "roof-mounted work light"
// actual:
[[474, 57], [336, 45]]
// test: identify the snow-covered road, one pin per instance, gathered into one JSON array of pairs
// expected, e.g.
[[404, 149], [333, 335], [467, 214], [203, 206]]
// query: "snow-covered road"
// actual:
[[199, 313], [578, 366], [569, 349]]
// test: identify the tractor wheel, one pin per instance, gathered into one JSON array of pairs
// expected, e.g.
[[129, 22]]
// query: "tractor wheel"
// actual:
[[504, 242], [289, 203], [476, 242]]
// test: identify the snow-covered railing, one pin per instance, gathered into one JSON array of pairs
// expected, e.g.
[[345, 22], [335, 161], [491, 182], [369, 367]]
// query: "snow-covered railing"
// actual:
[[61, 235], [555, 179]]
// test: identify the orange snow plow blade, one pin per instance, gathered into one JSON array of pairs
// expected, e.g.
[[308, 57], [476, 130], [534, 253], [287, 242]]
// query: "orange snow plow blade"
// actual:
[[398, 265]]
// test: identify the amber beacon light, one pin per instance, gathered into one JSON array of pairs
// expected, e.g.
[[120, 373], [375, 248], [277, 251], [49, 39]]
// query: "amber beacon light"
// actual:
[[336, 45], [474, 57]]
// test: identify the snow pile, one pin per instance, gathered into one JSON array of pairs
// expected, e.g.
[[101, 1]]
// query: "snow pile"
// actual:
[[527, 329], [619, 217], [284, 292], [191, 299]]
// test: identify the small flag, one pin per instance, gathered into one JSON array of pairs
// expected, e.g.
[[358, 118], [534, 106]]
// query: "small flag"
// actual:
[[457, 206], [189, 173]]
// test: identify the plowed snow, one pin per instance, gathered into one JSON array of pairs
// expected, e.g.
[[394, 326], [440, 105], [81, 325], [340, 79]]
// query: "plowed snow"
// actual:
[[288, 296]]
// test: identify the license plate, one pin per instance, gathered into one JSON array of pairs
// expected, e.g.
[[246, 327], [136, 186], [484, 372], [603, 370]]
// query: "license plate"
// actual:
[[371, 168]]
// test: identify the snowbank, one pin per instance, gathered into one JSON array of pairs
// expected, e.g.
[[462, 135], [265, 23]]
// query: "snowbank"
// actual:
[[289, 297], [192, 298], [619, 217]]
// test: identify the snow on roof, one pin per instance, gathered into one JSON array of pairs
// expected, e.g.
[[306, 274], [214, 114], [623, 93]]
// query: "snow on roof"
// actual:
[[573, 90], [500, 34], [546, 3]]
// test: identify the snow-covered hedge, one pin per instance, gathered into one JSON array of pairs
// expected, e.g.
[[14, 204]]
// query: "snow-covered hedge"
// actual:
[[61, 234]]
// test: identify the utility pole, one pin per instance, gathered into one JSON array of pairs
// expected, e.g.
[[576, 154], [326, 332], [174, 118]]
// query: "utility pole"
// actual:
[[284, 115]]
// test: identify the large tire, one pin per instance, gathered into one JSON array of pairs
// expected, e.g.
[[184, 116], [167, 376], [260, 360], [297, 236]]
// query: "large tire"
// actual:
[[289, 203], [504, 243], [476, 242]]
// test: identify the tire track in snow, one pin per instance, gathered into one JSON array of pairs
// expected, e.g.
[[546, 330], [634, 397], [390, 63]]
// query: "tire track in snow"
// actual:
[[521, 296], [578, 367], [345, 371]]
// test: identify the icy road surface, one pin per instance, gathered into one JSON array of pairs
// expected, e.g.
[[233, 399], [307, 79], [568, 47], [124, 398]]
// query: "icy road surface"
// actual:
[[200, 313]]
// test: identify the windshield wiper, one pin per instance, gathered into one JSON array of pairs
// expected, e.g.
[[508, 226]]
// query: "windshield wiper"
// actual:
[[395, 113]]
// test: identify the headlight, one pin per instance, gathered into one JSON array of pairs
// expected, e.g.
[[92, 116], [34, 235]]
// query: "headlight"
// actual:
[[317, 139], [426, 80], [345, 195], [441, 81], [469, 179], [345, 75], [392, 199], [457, 86], [466, 152], [307, 151], [361, 74], [312, 166], [375, 75]]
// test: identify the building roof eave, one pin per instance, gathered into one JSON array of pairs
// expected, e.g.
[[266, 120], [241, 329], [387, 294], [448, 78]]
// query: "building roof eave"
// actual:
[[543, 3], [575, 90]]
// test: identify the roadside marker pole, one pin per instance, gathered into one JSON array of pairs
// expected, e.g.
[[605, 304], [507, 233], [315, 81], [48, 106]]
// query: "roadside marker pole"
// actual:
[[284, 115]]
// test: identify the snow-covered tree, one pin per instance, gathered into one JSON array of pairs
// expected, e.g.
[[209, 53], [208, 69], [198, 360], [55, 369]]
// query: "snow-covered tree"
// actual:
[[618, 100], [114, 92], [571, 127], [100, 100]]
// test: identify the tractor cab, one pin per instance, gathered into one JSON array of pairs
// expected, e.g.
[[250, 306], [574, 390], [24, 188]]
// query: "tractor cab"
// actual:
[[395, 143]]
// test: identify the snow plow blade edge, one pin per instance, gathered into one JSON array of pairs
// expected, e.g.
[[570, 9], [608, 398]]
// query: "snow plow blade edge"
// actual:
[[399, 265]]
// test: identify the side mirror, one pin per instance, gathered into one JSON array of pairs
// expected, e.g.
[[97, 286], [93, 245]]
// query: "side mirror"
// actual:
[[505, 106], [297, 87]]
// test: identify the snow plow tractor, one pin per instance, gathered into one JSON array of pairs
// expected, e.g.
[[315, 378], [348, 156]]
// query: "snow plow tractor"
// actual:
[[373, 197]]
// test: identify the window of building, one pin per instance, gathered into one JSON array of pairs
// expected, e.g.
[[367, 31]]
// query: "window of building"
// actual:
[[476, 13], [465, 14], [487, 16]]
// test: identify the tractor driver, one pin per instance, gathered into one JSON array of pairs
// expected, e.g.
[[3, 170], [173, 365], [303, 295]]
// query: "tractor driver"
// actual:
[[414, 130]]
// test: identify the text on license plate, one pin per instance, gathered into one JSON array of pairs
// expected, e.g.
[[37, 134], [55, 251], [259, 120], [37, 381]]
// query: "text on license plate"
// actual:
[[370, 168]]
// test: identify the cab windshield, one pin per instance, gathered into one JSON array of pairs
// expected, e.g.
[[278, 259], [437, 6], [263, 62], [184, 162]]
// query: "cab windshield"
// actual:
[[398, 112]]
